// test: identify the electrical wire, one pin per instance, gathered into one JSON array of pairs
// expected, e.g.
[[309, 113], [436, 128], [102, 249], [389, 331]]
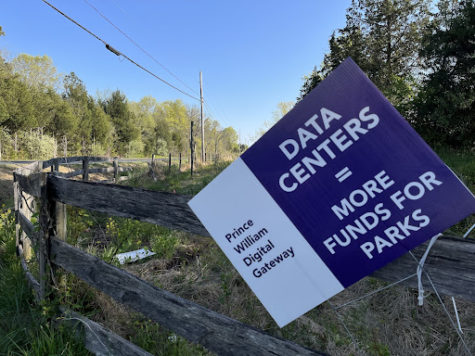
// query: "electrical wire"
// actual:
[[118, 53], [205, 102], [137, 45]]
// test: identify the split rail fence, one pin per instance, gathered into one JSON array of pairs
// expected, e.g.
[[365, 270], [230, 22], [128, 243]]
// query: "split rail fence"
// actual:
[[451, 262]]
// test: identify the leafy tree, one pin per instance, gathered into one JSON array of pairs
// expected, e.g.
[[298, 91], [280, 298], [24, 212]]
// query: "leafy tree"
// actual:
[[173, 123], [37, 71], [89, 123], [229, 140], [63, 122], [283, 108], [75, 93], [123, 119], [144, 112], [17, 109], [446, 104], [212, 135], [102, 129], [383, 38], [35, 145], [162, 136], [309, 82]]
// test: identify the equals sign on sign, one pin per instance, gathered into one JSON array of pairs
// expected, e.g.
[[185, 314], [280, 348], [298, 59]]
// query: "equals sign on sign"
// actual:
[[343, 174]]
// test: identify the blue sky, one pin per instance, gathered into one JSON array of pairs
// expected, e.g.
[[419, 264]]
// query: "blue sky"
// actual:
[[253, 54]]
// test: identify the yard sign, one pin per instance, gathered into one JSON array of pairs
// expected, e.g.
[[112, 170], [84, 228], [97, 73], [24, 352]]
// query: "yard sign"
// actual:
[[338, 188]]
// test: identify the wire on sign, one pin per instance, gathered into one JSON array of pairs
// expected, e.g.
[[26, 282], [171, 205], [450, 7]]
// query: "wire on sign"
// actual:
[[118, 53]]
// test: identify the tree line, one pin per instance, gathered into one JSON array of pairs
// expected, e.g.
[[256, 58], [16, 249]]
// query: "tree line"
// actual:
[[420, 54], [43, 113]]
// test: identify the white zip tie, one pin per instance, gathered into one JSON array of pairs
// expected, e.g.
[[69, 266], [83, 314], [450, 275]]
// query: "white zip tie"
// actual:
[[457, 315], [444, 307], [420, 266], [469, 231], [448, 314]]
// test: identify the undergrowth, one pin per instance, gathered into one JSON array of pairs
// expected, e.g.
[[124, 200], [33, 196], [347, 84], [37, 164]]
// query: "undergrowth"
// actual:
[[25, 327], [193, 267], [196, 269], [463, 165]]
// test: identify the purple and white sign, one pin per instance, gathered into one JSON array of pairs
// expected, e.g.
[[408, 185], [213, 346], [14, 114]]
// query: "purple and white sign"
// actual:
[[338, 188]]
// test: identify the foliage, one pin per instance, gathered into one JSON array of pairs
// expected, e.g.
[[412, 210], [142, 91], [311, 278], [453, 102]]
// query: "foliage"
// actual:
[[122, 118], [36, 71], [383, 38], [283, 108], [163, 243], [309, 82], [422, 62], [161, 147], [446, 103], [30, 99], [135, 148], [34, 144], [26, 328]]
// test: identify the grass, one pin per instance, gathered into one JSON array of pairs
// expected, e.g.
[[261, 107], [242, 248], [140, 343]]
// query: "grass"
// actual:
[[193, 267], [463, 164], [196, 269], [25, 327]]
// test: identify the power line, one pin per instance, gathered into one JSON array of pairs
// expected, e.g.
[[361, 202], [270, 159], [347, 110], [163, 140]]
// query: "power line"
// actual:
[[206, 102], [137, 45], [118, 53]]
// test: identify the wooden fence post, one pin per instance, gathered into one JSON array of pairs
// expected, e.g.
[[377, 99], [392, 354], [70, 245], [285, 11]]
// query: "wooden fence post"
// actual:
[[44, 235], [61, 220], [169, 162], [116, 169], [16, 203], [24, 203], [85, 168], [179, 162]]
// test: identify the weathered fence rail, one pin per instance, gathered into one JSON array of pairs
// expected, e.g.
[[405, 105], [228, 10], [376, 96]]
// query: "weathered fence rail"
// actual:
[[99, 339], [166, 209], [452, 260]]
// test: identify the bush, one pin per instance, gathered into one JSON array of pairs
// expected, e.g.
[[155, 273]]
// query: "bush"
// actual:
[[35, 145]]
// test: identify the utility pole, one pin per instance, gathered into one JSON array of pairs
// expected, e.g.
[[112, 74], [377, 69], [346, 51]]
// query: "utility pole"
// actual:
[[202, 123], [192, 151]]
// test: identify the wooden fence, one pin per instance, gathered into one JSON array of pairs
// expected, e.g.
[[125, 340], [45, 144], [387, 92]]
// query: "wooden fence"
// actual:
[[451, 262]]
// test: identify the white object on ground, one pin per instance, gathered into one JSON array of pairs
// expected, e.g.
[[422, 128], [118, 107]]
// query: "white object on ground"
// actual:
[[132, 256]]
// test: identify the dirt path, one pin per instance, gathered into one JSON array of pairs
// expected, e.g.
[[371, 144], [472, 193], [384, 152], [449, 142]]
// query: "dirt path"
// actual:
[[6, 185]]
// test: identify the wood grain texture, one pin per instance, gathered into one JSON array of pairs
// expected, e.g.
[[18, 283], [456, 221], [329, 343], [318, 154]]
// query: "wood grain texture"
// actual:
[[69, 174], [115, 166], [197, 324], [68, 160], [165, 209], [452, 261], [85, 168], [93, 170], [61, 220], [27, 226], [98, 339], [29, 277], [109, 170], [30, 183], [450, 264]]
